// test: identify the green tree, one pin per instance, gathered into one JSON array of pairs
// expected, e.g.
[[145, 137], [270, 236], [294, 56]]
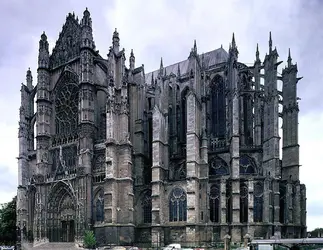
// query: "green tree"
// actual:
[[89, 240], [8, 223]]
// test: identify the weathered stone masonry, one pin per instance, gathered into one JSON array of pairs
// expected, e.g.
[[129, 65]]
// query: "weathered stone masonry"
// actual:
[[187, 153]]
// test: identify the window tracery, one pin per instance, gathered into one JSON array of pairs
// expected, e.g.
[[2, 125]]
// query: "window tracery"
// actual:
[[258, 202], [66, 110], [218, 106], [147, 206], [99, 165], [177, 205], [215, 203], [247, 165], [243, 202], [218, 167]]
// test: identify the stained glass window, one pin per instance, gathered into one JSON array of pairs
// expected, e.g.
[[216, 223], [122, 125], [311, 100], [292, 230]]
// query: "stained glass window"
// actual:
[[215, 203], [247, 165], [218, 112], [282, 203], [258, 202], [243, 203], [177, 205], [218, 167], [147, 206], [66, 109]]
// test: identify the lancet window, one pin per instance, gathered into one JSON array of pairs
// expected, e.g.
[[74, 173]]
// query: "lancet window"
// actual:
[[99, 207], [177, 205], [243, 202], [218, 106], [282, 203], [258, 202], [214, 202], [147, 206]]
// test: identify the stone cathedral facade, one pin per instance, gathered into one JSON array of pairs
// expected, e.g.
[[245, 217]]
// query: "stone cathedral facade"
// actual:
[[188, 153]]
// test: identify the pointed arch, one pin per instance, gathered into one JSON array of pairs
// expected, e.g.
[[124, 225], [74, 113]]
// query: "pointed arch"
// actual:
[[217, 107], [244, 195], [98, 211], [146, 204], [177, 205], [61, 212], [247, 165], [66, 104], [218, 167], [258, 202], [214, 202], [183, 125]]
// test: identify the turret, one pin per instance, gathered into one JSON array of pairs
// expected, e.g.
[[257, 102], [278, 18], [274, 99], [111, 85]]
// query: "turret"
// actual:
[[257, 103], [43, 56], [86, 34], [29, 79], [290, 159], [234, 135]]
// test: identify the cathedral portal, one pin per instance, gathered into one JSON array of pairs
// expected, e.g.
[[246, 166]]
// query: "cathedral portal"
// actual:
[[61, 213]]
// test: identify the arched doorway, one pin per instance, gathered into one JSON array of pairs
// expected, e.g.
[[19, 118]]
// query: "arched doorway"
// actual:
[[61, 213]]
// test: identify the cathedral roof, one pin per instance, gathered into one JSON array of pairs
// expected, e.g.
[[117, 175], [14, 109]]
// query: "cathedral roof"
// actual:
[[210, 59]]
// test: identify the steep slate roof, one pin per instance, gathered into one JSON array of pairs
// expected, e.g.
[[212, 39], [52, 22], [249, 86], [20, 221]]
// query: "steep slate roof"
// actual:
[[209, 59]]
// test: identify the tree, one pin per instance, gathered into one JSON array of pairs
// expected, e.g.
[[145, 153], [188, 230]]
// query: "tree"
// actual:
[[8, 233], [89, 240]]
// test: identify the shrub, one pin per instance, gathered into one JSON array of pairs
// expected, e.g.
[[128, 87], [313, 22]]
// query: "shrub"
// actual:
[[89, 240]]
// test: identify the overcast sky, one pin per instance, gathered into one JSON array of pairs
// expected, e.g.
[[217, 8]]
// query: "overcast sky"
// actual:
[[168, 28]]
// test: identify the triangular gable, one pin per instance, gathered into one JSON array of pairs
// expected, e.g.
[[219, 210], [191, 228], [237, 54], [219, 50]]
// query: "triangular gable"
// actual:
[[68, 44]]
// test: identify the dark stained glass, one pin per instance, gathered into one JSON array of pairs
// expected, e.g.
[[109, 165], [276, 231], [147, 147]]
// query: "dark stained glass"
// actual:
[[177, 205]]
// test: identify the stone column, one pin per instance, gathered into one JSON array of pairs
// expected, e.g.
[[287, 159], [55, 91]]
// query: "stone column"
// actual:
[[192, 159], [250, 201], [158, 171]]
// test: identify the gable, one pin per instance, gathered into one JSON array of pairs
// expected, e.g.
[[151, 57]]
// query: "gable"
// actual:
[[68, 44]]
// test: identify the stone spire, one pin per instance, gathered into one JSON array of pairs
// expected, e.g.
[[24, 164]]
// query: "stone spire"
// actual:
[[195, 47], [43, 56], [289, 60], [161, 67], [116, 41], [233, 50], [270, 43], [132, 60], [257, 54]]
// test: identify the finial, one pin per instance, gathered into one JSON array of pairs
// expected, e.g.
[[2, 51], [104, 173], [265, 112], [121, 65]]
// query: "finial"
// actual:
[[270, 43], [289, 60], [43, 36], [233, 41], [131, 53], [257, 52], [161, 63], [195, 47], [221, 46], [178, 70]]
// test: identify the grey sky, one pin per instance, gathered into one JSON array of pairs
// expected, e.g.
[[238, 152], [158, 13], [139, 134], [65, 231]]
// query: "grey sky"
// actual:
[[167, 28]]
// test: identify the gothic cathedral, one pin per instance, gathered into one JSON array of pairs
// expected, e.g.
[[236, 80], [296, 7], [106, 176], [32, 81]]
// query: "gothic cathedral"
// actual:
[[187, 153]]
